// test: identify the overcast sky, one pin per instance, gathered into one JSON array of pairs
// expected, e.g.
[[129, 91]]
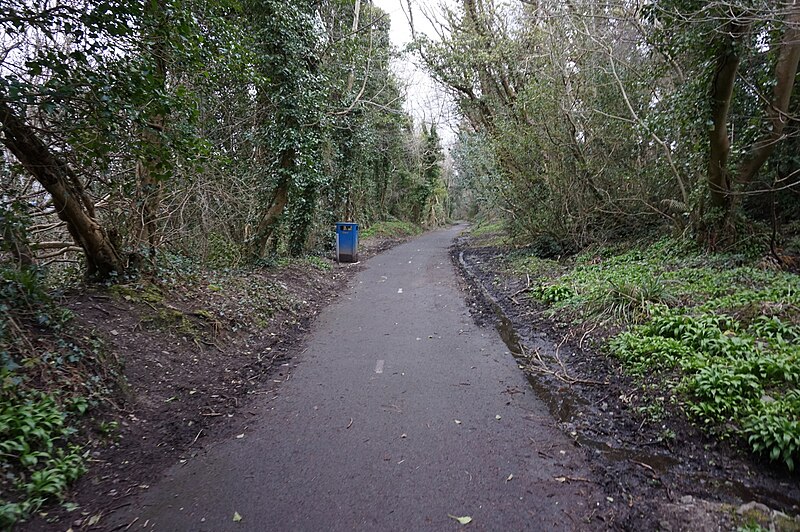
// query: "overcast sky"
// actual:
[[425, 101]]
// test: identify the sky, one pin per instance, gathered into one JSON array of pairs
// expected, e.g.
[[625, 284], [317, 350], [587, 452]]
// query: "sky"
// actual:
[[426, 101]]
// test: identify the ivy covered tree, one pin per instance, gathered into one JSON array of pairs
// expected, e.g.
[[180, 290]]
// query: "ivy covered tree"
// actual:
[[223, 131], [747, 55]]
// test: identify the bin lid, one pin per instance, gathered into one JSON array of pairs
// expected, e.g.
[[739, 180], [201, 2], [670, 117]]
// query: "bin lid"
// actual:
[[340, 224]]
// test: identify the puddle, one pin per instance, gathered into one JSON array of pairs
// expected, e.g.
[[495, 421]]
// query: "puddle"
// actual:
[[507, 332], [737, 490], [659, 462], [564, 406]]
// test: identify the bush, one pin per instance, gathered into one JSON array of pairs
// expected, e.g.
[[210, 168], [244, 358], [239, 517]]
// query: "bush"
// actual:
[[630, 300], [391, 229]]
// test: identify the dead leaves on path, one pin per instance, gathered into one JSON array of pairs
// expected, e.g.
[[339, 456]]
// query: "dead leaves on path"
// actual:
[[465, 520]]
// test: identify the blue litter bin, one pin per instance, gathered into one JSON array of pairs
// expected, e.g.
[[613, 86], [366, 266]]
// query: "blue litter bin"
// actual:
[[346, 242]]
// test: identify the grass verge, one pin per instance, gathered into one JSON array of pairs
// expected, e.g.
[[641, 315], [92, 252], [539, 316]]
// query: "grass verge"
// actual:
[[720, 332], [391, 229]]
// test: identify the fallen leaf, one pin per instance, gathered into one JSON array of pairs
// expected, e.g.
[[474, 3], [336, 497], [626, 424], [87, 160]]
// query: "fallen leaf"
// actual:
[[463, 520], [498, 417], [240, 436], [404, 435], [510, 477], [458, 422], [236, 517], [561, 479]]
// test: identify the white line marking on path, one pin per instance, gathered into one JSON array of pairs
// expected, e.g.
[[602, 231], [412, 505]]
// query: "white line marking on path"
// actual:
[[379, 367]]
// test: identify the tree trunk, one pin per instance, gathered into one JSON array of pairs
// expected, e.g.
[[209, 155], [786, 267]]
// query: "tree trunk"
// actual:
[[17, 245], [720, 145], [71, 201], [720, 180], [356, 19], [280, 197], [777, 111], [147, 167], [148, 190]]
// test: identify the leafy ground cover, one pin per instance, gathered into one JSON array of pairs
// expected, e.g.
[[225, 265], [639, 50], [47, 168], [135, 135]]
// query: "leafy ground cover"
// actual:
[[51, 373], [720, 332]]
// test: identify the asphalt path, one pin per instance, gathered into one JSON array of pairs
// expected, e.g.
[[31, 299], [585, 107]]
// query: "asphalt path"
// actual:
[[400, 414]]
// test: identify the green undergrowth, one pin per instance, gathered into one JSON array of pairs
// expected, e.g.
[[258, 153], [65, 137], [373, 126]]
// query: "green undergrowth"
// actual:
[[391, 229], [720, 331], [51, 374], [737, 376], [489, 233], [488, 228]]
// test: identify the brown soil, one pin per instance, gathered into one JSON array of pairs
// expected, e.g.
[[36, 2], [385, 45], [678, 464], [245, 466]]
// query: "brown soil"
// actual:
[[196, 351], [664, 473]]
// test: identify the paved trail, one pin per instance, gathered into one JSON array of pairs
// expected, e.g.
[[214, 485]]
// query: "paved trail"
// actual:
[[364, 435]]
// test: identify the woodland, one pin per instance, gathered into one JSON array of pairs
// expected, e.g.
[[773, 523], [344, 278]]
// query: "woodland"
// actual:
[[178, 135]]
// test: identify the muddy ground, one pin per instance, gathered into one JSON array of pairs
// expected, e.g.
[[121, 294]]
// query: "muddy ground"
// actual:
[[665, 471]]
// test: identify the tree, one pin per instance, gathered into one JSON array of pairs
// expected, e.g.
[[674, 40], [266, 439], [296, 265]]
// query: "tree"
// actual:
[[150, 166], [532, 80], [44, 87], [748, 53], [290, 102], [221, 131]]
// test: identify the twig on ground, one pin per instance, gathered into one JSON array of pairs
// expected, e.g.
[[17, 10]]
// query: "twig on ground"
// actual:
[[563, 376], [646, 466], [576, 479], [212, 344], [527, 287], [587, 333]]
